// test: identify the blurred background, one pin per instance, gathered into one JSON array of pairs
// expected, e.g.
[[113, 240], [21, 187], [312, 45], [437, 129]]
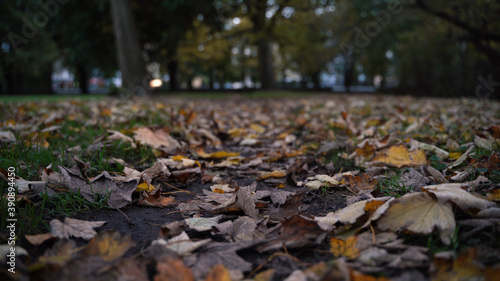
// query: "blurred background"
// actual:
[[422, 47]]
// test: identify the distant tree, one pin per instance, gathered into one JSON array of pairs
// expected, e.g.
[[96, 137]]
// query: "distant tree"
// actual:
[[27, 51], [85, 39], [164, 23]]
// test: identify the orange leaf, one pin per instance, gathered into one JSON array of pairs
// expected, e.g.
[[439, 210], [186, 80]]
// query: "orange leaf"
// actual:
[[218, 273]]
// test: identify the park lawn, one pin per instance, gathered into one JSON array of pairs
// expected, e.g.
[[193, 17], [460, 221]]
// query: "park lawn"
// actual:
[[288, 160]]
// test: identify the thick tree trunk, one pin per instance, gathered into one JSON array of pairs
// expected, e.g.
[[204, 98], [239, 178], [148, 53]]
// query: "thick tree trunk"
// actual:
[[348, 76], [83, 78], [266, 66], [128, 48], [173, 67], [316, 81]]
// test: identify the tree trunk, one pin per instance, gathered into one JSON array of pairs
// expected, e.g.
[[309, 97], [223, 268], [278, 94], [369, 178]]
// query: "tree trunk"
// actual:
[[173, 67], [348, 76], [211, 78], [83, 78], [316, 81], [128, 48], [266, 64]]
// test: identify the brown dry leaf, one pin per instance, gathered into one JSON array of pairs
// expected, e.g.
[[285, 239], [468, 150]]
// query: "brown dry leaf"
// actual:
[[273, 174], [156, 139], [156, 200], [358, 276], [74, 228], [173, 270], [399, 156], [453, 192], [218, 273], [103, 185], [109, 245], [419, 213], [362, 182], [246, 199], [347, 248], [297, 231], [38, 238], [115, 135]]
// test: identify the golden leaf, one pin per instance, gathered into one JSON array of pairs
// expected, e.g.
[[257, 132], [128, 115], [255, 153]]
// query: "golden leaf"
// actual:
[[347, 248], [399, 156], [273, 174], [145, 187]]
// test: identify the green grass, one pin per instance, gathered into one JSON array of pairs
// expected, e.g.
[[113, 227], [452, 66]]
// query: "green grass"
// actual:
[[28, 98], [393, 186], [32, 216]]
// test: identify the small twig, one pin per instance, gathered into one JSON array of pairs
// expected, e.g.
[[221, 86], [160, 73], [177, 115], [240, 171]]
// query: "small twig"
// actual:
[[269, 259], [373, 234], [121, 212], [180, 190]]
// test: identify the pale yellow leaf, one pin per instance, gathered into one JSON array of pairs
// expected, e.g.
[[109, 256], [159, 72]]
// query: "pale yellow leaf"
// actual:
[[419, 213]]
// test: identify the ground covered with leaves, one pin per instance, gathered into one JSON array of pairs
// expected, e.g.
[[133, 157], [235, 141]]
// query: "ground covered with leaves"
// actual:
[[323, 187]]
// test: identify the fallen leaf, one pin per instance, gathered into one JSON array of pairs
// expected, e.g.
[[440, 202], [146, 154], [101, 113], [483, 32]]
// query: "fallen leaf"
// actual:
[[109, 245], [202, 224], [115, 135], [61, 253], [246, 200], [181, 244], [462, 268], [399, 156], [220, 253], [74, 228], [217, 154], [419, 213], [38, 238], [453, 192], [347, 248], [461, 158], [156, 200], [156, 139], [218, 273], [119, 193], [362, 182], [144, 187], [173, 270], [273, 174]]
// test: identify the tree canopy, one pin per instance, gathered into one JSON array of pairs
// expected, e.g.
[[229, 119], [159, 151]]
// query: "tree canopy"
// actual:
[[438, 47]]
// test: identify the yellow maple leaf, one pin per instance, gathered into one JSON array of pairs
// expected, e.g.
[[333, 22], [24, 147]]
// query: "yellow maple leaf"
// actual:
[[399, 156], [347, 248]]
